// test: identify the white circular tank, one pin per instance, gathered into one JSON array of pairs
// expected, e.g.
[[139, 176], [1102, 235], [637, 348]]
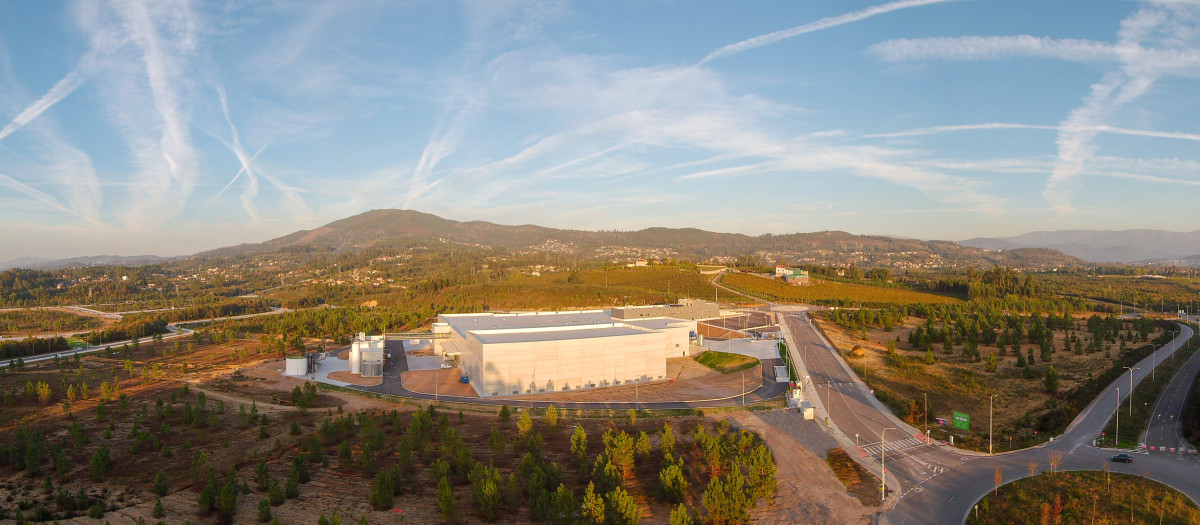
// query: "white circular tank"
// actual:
[[296, 366]]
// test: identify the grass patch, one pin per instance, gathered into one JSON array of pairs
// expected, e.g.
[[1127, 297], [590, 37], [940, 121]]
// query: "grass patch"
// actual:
[[829, 293], [1085, 497], [726, 363], [862, 484], [1145, 395]]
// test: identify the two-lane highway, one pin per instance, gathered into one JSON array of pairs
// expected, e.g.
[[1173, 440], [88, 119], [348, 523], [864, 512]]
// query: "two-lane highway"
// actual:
[[1165, 431]]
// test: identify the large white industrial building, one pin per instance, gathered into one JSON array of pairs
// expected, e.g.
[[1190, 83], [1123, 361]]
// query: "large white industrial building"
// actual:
[[507, 354]]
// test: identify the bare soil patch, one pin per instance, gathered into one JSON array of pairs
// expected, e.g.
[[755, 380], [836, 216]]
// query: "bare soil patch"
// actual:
[[862, 484], [355, 379], [808, 491], [447, 382]]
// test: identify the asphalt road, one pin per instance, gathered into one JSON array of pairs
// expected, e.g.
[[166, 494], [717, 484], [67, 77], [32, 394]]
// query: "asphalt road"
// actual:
[[176, 332], [1164, 430], [937, 484]]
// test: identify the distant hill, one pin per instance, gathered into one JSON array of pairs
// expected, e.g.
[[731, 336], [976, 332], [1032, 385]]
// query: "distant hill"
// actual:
[[23, 262], [386, 229], [1126, 246], [36, 263]]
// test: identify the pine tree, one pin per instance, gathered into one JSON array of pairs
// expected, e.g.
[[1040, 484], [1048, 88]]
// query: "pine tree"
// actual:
[[524, 424], [264, 510], [261, 475], [551, 417], [447, 508], [1050, 381], [101, 461], [592, 506], [622, 510], [672, 483], [161, 483], [382, 493], [668, 440], [681, 516]]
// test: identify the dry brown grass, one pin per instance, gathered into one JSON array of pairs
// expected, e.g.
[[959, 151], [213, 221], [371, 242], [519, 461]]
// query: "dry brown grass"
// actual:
[[954, 383]]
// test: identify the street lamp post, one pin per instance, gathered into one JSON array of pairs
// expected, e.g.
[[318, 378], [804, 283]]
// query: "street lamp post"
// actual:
[[925, 415], [1153, 358], [883, 464], [435, 384], [1117, 433], [743, 388], [1130, 390], [990, 398]]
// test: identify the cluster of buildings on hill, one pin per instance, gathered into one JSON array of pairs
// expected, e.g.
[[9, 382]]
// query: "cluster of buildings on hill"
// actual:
[[791, 275], [503, 354]]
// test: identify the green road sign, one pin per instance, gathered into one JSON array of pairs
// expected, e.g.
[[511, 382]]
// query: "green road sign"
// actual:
[[962, 421]]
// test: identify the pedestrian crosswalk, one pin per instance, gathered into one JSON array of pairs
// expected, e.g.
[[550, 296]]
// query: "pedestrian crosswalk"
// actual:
[[892, 446]]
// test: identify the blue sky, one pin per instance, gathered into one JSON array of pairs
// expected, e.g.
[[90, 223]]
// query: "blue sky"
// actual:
[[168, 127]]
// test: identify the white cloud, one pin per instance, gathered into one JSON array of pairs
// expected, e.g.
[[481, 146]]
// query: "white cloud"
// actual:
[[1155, 41], [933, 130]]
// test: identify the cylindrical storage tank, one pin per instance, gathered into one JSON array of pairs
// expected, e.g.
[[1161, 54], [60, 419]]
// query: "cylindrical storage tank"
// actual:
[[296, 366], [356, 357]]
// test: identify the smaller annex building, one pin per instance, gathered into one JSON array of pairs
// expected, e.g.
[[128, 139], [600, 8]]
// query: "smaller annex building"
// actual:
[[366, 355], [520, 353]]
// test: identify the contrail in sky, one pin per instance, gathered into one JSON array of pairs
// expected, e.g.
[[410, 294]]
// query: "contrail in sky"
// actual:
[[824, 23], [61, 89]]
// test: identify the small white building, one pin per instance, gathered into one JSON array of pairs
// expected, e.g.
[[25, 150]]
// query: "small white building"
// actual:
[[366, 355]]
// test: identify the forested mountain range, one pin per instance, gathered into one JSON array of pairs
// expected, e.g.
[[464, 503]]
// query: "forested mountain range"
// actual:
[[388, 229]]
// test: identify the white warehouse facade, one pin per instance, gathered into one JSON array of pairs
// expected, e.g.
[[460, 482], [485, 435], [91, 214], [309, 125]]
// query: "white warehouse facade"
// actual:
[[508, 354]]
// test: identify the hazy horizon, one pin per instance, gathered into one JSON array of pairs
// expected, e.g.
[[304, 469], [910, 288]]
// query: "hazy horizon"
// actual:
[[174, 127]]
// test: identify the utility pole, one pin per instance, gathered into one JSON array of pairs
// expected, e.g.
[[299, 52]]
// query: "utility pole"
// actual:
[[990, 399]]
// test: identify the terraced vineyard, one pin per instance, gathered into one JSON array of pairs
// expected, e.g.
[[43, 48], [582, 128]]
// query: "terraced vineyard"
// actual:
[[829, 293], [670, 281]]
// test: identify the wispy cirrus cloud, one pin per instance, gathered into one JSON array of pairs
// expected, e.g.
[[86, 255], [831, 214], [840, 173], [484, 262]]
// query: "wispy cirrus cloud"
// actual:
[[1155, 41], [824, 23], [58, 161], [987, 126], [146, 87]]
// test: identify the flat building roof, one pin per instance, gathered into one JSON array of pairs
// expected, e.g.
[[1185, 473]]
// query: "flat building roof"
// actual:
[[556, 333]]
